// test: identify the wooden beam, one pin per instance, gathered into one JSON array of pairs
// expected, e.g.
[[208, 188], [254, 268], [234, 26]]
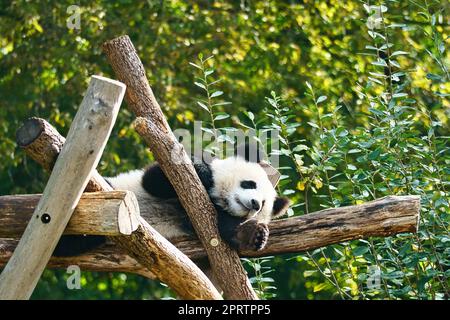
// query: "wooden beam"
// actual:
[[98, 213], [154, 129], [80, 155], [145, 245], [108, 258], [379, 218]]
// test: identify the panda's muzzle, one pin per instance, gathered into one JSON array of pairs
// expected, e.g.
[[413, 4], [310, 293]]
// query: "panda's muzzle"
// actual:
[[255, 204], [252, 207]]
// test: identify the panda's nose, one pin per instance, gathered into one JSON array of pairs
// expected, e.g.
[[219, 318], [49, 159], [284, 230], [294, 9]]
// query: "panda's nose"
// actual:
[[255, 204]]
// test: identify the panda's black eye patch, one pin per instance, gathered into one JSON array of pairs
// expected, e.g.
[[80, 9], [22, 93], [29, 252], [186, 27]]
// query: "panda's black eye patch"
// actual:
[[248, 184]]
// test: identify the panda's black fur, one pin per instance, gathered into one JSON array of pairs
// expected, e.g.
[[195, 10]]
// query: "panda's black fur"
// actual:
[[244, 199]]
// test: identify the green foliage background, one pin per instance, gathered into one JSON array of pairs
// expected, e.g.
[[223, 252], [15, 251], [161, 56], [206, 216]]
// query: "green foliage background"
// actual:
[[361, 99]]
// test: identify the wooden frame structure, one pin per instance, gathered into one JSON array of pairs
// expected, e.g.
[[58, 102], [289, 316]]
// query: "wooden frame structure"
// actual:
[[134, 244]]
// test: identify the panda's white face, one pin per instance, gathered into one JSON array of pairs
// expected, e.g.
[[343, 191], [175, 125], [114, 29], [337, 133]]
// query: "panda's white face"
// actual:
[[242, 188]]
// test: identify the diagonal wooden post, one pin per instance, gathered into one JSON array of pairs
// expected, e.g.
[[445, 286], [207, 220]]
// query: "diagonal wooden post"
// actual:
[[80, 155], [153, 127]]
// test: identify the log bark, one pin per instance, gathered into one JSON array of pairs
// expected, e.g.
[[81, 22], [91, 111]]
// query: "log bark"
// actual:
[[145, 245], [37, 137], [108, 258], [379, 218], [70, 175], [110, 213], [177, 166]]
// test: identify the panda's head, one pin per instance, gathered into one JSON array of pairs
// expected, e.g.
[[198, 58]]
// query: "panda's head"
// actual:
[[243, 189]]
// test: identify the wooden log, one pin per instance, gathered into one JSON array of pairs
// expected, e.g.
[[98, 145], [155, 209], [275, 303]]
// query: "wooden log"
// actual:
[[98, 213], [108, 258], [154, 129], [146, 245], [37, 137], [379, 218], [80, 155]]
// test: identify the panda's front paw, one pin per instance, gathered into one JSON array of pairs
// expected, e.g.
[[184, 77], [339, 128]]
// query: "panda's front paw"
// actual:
[[260, 236], [252, 235]]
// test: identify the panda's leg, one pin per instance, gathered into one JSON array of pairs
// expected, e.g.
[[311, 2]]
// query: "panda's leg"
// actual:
[[155, 182], [74, 245]]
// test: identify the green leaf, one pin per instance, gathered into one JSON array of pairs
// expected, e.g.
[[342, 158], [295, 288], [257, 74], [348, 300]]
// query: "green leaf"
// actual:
[[216, 94], [221, 103], [201, 85], [312, 124], [195, 65], [399, 95], [380, 63], [374, 154], [376, 111], [208, 130], [300, 147], [394, 63], [321, 99], [320, 287], [250, 115], [221, 116], [375, 80], [341, 132], [435, 77], [359, 251], [210, 57], [397, 53], [204, 106]]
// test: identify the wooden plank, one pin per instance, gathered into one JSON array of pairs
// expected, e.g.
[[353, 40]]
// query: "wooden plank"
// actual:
[[80, 155], [109, 213]]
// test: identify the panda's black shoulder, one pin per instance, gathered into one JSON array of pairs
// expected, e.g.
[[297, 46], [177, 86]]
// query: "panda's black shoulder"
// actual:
[[155, 182], [204, 172]]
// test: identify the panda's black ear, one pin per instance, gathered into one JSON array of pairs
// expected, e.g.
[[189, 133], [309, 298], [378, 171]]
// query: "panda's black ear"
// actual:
[[250, 151], [280, 207]]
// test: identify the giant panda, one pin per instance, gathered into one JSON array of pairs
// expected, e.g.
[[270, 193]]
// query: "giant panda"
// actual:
[[239, 187]]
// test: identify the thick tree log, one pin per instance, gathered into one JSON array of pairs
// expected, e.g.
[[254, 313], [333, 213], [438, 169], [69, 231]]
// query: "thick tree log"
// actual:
[[108, 258], [380, 218], [37, 137], [154, 129], [70, 175], [110, 213], [145, 245]]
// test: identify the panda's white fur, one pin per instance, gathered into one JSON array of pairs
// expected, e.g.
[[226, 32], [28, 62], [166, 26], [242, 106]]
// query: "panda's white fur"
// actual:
[[130, 181]]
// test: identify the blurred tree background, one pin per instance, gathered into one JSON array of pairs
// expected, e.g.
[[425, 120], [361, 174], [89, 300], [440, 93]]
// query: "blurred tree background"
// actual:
[[359, 90]]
